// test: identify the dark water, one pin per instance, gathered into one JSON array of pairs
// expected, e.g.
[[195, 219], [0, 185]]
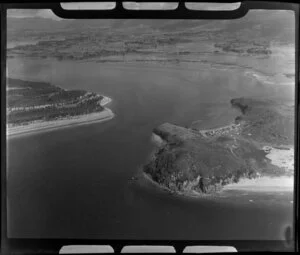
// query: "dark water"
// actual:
[[75, 182]]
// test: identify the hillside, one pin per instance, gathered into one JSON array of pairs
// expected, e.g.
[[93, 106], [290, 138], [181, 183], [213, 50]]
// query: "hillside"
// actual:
[[267, 121], [191, 161]]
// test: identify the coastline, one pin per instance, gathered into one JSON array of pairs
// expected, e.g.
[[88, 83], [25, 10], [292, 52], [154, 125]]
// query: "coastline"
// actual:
[[263, 184], [194, 194], [280, 156], [258, 185], [43, 126]]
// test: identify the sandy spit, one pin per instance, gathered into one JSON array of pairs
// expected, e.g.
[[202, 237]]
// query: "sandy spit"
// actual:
[[38, 126]]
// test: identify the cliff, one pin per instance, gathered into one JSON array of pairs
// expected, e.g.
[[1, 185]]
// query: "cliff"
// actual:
[[191, 161]]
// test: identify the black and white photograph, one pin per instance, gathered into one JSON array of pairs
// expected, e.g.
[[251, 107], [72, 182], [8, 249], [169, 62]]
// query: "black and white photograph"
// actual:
[[150, 129]]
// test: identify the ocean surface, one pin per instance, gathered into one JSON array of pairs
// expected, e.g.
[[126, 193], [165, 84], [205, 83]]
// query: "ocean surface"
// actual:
[[76, 182]]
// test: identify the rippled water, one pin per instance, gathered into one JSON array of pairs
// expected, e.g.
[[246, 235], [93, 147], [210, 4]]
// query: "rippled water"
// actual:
[[76, 182]]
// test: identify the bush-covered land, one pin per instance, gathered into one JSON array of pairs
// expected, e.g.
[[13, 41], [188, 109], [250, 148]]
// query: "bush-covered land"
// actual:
[[265, 121], [95, 46], [251, 48], [192, 161], [30, 101]]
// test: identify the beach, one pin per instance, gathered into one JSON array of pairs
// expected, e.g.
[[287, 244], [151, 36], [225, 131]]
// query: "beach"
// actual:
[[39, 126], [263, 184], [281, 157]]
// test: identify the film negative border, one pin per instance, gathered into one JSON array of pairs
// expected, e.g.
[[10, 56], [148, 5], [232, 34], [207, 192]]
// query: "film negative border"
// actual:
[[45, 246]]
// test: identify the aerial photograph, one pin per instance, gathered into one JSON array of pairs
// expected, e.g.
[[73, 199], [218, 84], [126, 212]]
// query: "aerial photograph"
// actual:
[[150, 129]]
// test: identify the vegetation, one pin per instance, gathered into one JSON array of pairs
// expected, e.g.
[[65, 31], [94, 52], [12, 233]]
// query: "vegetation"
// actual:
[[252, 48], [266, 121], [30, 101], [191, 161]]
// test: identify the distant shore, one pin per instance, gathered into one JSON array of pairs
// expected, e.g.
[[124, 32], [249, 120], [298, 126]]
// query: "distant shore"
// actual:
[[38, 126]]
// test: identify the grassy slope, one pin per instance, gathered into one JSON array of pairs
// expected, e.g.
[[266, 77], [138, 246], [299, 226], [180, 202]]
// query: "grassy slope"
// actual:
[[267, 121]]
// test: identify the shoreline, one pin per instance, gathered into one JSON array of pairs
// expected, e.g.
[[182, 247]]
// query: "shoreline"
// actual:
[[263, 184], [257, 185], [280, 156], [195, 194], [43, 126]]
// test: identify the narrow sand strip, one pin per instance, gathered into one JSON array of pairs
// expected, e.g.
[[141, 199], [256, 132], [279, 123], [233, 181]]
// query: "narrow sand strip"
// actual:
[[264, 184]]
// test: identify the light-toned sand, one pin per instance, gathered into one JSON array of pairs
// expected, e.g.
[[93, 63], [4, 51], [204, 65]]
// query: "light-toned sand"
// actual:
[[283, 158], [278, 80], [262, 78], [263, 184], [105, 100], [38, 126], [157, 140]]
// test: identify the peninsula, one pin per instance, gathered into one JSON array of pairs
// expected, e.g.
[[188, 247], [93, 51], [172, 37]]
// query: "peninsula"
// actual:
[[37, 106], [196, 162]]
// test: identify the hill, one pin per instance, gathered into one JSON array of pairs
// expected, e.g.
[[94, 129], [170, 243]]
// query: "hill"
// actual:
[[190, 161]]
